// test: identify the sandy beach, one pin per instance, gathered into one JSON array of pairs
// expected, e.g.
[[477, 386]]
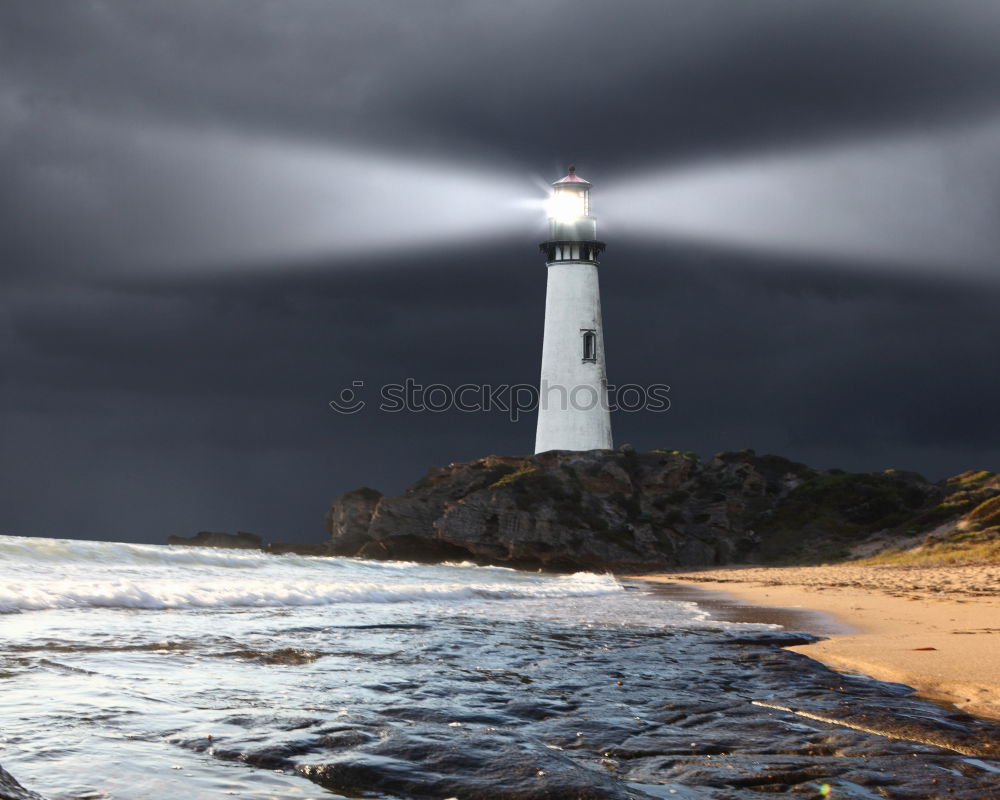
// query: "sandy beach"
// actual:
[[935, 629]]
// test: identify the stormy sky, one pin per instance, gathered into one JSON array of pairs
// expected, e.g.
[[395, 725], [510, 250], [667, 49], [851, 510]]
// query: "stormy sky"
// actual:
[[216, 216]]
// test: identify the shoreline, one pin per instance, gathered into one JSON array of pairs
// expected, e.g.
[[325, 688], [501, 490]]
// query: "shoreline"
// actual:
[[936, 630]]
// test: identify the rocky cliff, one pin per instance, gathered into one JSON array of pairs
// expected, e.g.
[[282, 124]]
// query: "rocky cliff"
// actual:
[[631, 511]]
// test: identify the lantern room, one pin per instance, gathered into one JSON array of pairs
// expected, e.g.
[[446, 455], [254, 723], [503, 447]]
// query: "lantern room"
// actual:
[[570, 198]]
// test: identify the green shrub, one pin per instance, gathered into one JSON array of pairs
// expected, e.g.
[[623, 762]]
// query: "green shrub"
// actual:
[[865, 502]]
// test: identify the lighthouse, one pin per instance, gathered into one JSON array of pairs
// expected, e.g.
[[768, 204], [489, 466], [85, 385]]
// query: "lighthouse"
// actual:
[[572, 395]]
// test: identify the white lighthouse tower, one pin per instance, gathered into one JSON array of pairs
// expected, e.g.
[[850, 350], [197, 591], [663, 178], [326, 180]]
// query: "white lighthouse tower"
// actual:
[[572, 405]]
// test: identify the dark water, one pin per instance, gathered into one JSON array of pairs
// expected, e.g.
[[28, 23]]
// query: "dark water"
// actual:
[[505, 698], [541, 710]]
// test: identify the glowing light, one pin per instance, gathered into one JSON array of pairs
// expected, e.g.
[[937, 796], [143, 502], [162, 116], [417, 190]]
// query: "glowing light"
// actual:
[[566, 205], [825, 790]]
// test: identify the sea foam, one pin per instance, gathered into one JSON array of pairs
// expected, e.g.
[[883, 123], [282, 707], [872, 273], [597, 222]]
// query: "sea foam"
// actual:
[[38, 574]]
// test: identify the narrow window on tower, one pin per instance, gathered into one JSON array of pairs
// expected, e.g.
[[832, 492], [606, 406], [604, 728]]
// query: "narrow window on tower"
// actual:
[[589, 345]]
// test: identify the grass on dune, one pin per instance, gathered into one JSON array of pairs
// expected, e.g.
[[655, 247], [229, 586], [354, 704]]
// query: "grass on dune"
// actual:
[[971, 547]]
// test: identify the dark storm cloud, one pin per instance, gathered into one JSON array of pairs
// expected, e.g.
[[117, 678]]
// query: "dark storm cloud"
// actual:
[[629, 83], [533, 69], [652, 77], [136, 404]]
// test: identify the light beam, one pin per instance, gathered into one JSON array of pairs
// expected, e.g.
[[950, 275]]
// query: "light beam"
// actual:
[[927, 202], [166, 201], [169, 201]]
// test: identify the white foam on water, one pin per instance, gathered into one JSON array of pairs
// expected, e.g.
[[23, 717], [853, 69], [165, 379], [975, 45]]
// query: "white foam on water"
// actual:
[[156, 594], [35, 550], [38, 574], [65, 574]]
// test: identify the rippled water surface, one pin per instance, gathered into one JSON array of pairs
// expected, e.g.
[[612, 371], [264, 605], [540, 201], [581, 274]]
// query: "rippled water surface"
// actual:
[[131, 671]]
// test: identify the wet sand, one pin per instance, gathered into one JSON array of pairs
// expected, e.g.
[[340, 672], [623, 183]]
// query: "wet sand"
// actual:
[[935, 629]]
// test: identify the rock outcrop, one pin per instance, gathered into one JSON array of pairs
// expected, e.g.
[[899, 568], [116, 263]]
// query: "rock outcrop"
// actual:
[[349, 518], [10, 789], [629, 511], [241, 540], [251, 541]]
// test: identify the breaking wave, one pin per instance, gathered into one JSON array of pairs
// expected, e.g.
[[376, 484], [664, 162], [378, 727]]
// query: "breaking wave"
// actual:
[[42, 574], [61, 551], [159, 594]]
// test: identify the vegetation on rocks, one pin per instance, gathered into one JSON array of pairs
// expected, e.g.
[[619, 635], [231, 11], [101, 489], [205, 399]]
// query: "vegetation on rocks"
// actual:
[[632, 511], [820, 519]]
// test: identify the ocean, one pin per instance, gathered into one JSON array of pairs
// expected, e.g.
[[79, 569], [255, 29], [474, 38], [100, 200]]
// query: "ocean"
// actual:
[[148, 672]]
